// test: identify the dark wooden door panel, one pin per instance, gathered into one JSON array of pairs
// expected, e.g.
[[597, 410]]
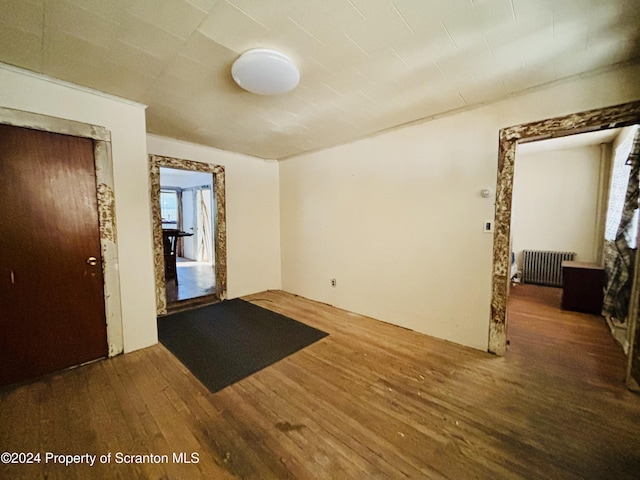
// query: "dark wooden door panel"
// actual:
[[51, 300]]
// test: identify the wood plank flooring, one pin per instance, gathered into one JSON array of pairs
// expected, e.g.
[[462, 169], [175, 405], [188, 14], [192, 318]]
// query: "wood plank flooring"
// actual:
[[370, 401]]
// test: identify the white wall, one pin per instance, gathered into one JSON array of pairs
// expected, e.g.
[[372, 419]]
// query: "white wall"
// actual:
[[397, 218], [126, 121], [169, 177], [555, 202], [253, 213]]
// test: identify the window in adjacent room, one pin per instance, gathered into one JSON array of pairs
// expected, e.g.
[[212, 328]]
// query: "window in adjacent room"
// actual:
[[169, 208]]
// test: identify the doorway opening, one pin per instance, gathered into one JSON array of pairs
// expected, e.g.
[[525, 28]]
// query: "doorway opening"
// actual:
[[562, 199], [509, 138], [188, 202], [188, 213]]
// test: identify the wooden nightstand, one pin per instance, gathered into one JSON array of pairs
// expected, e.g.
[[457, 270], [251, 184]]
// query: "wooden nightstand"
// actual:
[[582, 286]]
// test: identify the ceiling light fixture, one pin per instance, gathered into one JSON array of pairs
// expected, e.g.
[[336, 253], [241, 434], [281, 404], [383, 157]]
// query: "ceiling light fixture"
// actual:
[[265, 72]]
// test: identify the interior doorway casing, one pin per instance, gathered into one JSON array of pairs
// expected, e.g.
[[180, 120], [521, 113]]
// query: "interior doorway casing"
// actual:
[[106, 207], [220, 227], [509, 138]]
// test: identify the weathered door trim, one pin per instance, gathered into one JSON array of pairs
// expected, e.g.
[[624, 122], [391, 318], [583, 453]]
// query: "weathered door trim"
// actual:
[[106, 206], [220, 227], [509, 138]]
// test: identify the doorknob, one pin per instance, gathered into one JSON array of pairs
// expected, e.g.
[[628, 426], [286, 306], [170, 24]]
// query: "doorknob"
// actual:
[[92, 261]]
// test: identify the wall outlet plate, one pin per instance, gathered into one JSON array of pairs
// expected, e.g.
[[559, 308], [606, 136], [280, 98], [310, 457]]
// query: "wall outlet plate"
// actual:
[[487, 226]]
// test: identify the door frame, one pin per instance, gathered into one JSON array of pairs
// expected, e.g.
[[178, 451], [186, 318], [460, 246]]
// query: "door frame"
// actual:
[[106, 206], [220, 227], [588, 121]]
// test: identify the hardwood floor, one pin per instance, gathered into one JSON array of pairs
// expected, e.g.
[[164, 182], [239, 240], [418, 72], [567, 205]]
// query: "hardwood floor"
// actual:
[[370, 401]]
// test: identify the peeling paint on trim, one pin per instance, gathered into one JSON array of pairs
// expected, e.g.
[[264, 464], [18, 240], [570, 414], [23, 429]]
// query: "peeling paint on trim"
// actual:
[[106, 207], [220, 227], [598, 119]]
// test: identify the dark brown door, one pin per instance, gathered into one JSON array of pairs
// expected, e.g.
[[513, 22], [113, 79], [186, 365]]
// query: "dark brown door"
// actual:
[[51, 291]]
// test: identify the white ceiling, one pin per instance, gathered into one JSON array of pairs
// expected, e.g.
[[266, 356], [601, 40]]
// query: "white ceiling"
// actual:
[[366, 65]]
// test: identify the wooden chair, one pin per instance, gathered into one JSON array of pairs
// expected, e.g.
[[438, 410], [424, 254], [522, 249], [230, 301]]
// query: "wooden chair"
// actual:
[[169, 242]]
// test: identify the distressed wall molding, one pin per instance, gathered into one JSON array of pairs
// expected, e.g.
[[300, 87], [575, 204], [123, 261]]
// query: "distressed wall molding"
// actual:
[[220, 225], [592, 120]]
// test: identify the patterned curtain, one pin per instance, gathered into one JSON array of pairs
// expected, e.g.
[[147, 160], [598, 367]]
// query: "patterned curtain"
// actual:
[[620, 257]]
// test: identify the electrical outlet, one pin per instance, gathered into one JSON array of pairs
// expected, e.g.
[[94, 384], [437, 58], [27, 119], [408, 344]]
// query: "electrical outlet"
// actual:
[[333, 282], [487, 226]]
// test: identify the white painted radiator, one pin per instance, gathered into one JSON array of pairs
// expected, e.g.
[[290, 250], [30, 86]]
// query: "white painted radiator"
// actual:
[[543, 267]]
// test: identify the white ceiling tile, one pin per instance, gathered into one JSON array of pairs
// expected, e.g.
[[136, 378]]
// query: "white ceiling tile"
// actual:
[[269, 13], [74, 60], [178, 17], [166, 121], [68, 17], [480, 19], [312, 73], [26, 16], [232, 28], [148, 38], [533, 48], [112, 10], [134, 61], [347, 80], [204, 5], [488, 13], [167, 90], [462, 63], [627, 50], [429, 46], [123, 83], [425, 81], [586, 60], [522, 78], [366, 65], [340, 54], [343, 19], [386, 67], [528, 11], [544, 56], [529, 30], [197, 79], [318, 95], [207, 52], [368, 8], [483, 91], [422, 16], [383, 29], [572, 9], [60, 44], [570, 32], [444, 101], [291, 40], [20, 48]]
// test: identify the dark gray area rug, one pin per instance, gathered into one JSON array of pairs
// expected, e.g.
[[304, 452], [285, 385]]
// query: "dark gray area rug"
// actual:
[[226, 342]]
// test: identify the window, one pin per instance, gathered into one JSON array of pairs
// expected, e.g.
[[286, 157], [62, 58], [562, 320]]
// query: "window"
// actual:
[[618, 191], [169, 207]]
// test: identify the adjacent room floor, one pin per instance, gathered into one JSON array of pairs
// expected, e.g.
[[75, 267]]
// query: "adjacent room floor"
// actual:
[[195, 279], [371, 400]]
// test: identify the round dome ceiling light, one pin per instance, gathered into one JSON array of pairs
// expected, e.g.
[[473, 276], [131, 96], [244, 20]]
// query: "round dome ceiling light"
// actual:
[[265, 72]]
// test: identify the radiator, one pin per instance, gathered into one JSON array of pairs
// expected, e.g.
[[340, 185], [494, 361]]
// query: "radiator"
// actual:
[[544, 268]]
